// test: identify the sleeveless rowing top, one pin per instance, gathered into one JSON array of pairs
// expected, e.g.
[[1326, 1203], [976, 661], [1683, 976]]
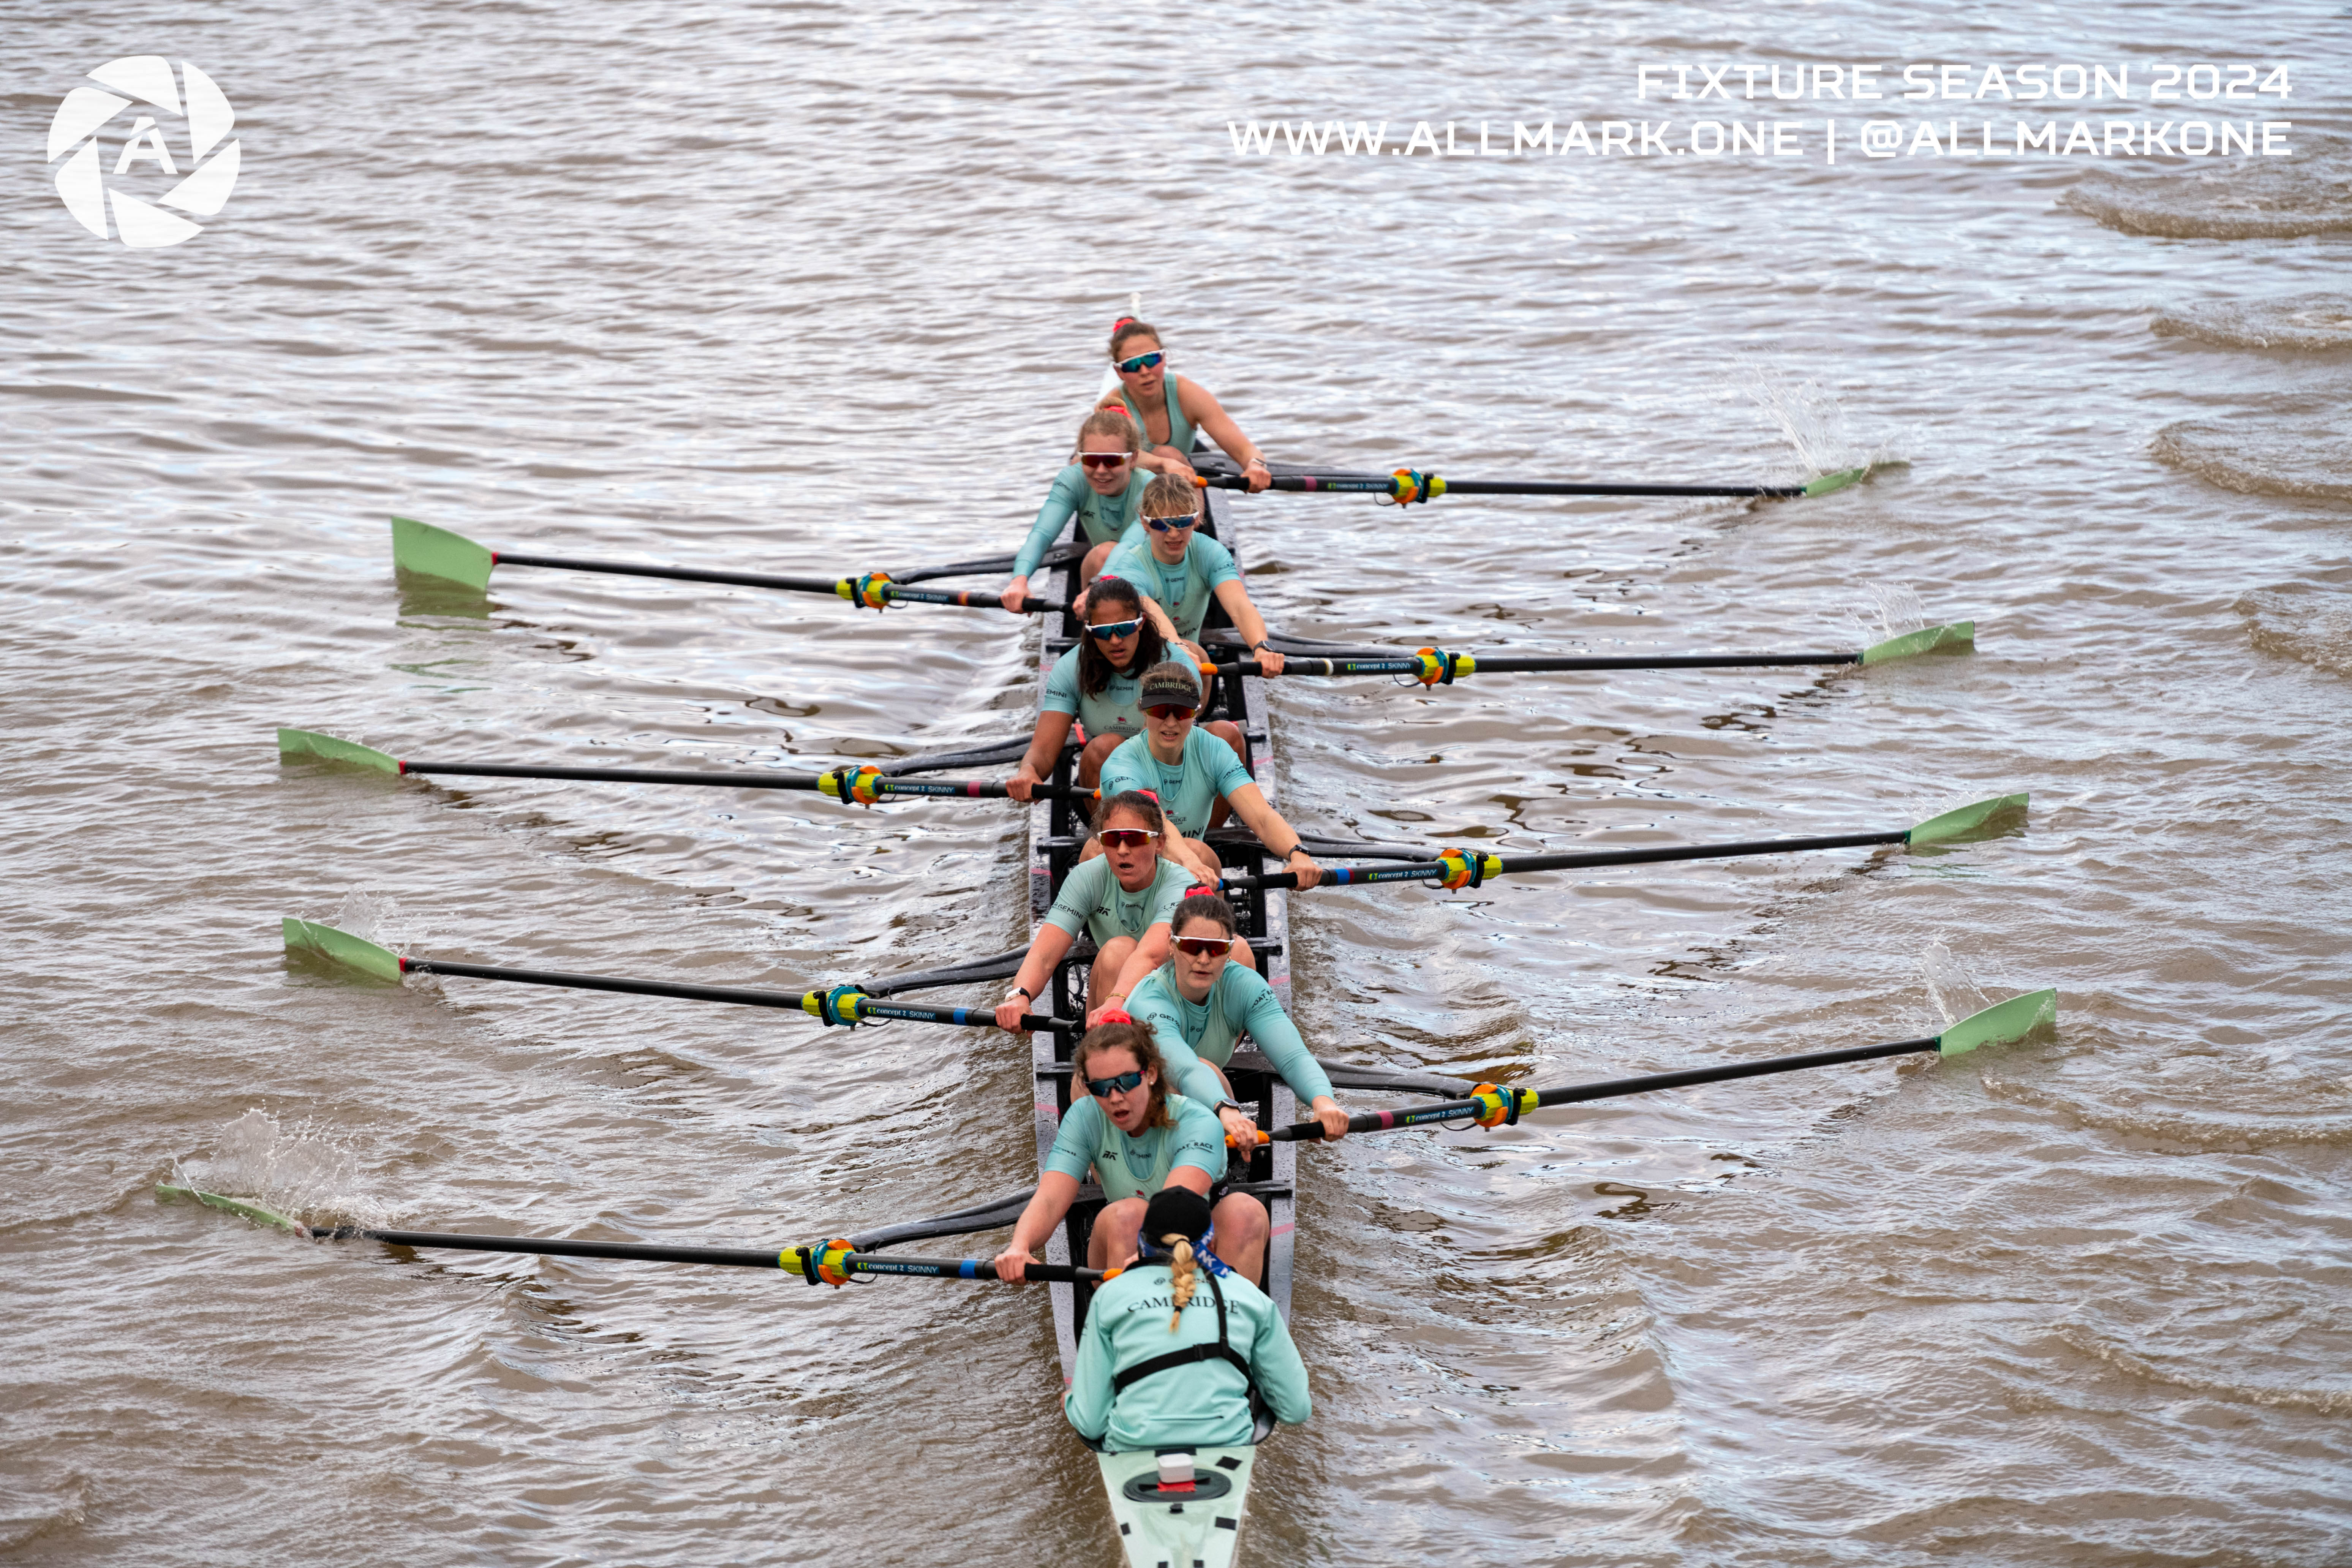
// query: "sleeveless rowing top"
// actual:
[[1180, 429]]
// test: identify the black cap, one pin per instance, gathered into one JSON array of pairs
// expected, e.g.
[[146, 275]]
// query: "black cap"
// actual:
[[1166, 684], [1175, 1211]]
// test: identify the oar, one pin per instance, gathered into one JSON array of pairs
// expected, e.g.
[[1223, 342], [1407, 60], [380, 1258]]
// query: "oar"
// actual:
[[1492, 1105], [1435, 666], [863, 784], [436, 553], [1406, 486], [319, 939], [823, 1263], [1460, 869]]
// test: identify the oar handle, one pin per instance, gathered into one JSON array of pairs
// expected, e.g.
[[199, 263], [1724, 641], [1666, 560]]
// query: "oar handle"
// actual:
[[850, 1006], [1494, 1105], [969, 598]]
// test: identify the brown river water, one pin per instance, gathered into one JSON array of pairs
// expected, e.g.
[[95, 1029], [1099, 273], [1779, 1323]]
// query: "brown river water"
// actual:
[[817, 289]]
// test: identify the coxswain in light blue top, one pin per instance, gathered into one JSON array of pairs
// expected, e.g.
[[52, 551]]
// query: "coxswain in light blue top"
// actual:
[[1169, 411], [1098, 685], [1181, 570], [1103, 487], [1207, 1002], [1199, 777], [1122, 898], [1139, 1382], [1137, 1137]]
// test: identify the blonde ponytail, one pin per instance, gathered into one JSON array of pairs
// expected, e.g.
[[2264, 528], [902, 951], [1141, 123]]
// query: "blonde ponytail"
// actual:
[[1182, 1272]]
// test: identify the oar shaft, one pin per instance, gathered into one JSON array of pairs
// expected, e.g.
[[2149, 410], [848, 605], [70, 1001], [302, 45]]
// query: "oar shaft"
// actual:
[[969, 598], [1351, 876], [784, 1258], [1613, 1089], [674, 574], [1358, 484], [1533, 664], [1529, 664], [939, 789], [601, 982], [1547, 487], [911, 1011], [613, 775]]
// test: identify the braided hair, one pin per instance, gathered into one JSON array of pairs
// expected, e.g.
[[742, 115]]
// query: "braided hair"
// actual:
[[1183, 1274]]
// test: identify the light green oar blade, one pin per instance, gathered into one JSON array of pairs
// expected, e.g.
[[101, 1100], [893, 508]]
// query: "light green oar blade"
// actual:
[[436, 553], [165, 1192], [1966, 820], [1953, 638], [2003, 1021], [306, 745], [1836, 481], [337, 946]]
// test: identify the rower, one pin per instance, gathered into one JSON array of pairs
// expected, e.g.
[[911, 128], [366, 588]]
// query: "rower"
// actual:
[[1168, 408], [1198, 776], [1141, 1384], [1122, 898], [1202, 998], [1180, 570], [1094, 685], [1103, 487], [1138, 1136]]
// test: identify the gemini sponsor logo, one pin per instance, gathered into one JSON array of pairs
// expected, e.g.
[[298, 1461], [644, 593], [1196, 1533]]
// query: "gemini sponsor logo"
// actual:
[[144, 82]]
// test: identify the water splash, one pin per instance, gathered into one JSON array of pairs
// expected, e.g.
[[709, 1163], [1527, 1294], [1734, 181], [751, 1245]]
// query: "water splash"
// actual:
[[302, 1172], [1811, 420], [1894, 609], [371, 917], [1956, 995]]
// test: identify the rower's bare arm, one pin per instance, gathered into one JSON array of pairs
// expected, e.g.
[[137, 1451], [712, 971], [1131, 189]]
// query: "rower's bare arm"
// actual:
[[1249, 623], [1209, 417], [1056, 1191], [1016, 591], [1149, 954], [1044, 751], [1052, 943], [1250, 805]]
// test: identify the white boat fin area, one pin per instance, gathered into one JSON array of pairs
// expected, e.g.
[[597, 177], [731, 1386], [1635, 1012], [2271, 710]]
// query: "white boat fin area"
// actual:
[[1199, 1529]]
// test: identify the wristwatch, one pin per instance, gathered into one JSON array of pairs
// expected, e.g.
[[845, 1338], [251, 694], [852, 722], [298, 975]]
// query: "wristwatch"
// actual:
[[1023, 992]]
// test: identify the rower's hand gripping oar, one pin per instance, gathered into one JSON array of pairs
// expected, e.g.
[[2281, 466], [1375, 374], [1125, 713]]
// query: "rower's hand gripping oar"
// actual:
[[1462, 868], [861, 783], [432, 551], [833, 1263], [844, 1004], [1435, 666], [1405, 486], [1492, 1105]]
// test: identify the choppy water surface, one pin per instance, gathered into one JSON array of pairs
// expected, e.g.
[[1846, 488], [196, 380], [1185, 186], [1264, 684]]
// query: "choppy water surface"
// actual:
[[813, 290]]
